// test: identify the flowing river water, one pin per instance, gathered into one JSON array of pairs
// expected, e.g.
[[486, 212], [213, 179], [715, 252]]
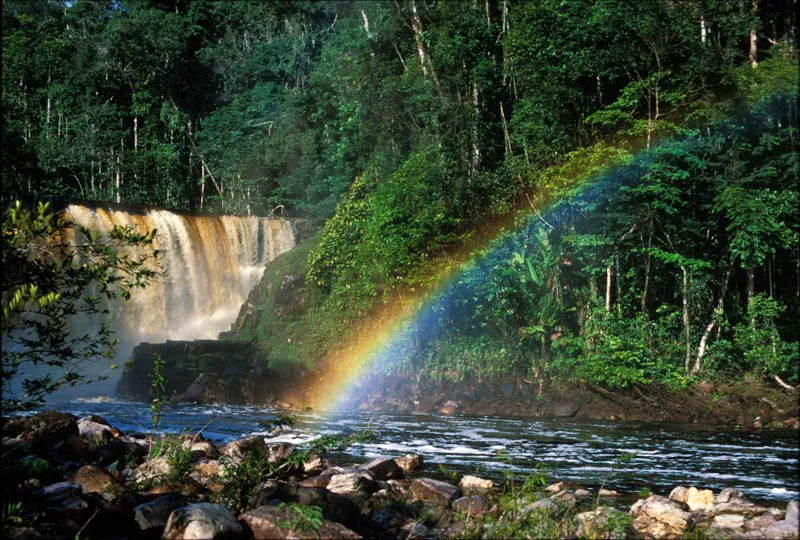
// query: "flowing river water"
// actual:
[[762, 464]]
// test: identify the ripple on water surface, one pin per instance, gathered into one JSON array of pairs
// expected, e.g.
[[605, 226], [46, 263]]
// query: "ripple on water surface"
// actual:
[[763, 464]]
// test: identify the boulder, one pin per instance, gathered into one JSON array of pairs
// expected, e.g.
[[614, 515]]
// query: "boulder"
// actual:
[[201, 520], [558, 486], [282, 522], [383, 469], [203, 449], [728, 495], [565, 498], [97, 432], [45, 429], [94, 479], [474, 484], [281, 451], [426, 489], [386, 519], [660, 517], [727, 521], [353, 483], [152, 516], [697, 499], [152, 470], [413, 530], [314, 466], [606, 493], [205, 470], [544, 506], [793, 511], [764, 520], [410, 462], [240, 448], [737, 506], [583, 493], [780, 530], [472, 506]]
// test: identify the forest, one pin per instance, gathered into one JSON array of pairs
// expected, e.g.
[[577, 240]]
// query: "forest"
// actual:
[[635, 164]]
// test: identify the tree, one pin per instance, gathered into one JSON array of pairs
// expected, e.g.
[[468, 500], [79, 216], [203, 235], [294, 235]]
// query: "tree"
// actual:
[[54, 272]]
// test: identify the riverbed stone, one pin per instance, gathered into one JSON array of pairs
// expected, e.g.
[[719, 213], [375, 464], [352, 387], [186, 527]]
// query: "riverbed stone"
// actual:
[[607, 493], [43, 430], [727, 521], [353, 483], [383, 468], [660, 517], [699, 499], [280, 452], [429, 490], [280, 522], [335, 507], [474, 484], [153, 515], [728, 495], [94, 479], [472, 505], [565, 498], [410, 462], [737, 506], [151, 470], [238, 449], [203, 449], [204, 470], [99, 432], [545, 506], [759, 522], [201, 520], [387, 519]]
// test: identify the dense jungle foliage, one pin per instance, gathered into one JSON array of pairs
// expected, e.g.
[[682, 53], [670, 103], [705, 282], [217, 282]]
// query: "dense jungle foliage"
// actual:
[[654, 144]]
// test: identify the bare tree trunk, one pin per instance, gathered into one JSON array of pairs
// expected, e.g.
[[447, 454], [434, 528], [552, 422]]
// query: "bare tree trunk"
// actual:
[[686, 322], [422, 50], [202, 185], [609, 274], [647, 264], [476, 151], [118, 183], [701, 349], [754, 40], [135, 132], [47, 120], [506, 136], [751, 284], [703, 29]]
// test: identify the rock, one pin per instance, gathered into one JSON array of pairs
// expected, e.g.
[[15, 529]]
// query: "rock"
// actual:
[[602, 522], [699, 499], [728, 495], [383, 469], [264, 493], [152, 470], [280, 451], [565, 498], [45, 429], [152, 516], [240, 448], [335, 507], [660, 517], [563, 408], [203, 449], [95, 431], [780, 530], [314, 466], [352, 483], [473, 505], [386, 519], [410, 462], [94, 479], [22, 533], [727, 521], [206, 470], [414, 530], [737, 506], [606, 493], [14, 448], [473, 484], [558, 486], [764, 520], [208, 388], [679, 494], [450, 407], [201, 520], [76, 448], [281, 522], [544, 506], [583, 493], [426, 489], [793, 511]]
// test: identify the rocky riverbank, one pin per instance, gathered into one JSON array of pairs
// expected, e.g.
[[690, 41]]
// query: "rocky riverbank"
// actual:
[[233, 372], [66, 477]]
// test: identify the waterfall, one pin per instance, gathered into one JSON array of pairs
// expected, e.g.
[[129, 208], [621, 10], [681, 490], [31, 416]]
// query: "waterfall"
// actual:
[[211, 263]]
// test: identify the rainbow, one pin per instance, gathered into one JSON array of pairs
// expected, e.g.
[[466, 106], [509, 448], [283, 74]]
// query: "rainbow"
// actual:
[[379, 342]]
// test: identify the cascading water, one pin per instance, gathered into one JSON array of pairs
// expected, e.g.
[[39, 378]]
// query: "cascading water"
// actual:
[[211, 263]]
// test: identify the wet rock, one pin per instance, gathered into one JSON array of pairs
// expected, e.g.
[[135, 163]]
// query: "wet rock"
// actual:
[[383, 469], [201, 520], [353, 483], [45, 429], [426, 489], [475, 484], [601, 522], [240, 448], [410, 462], [473, 505], [660, 517], [152, 516], [94, 479], [152, 470], [558, 486], [606, 493], [281, 522]]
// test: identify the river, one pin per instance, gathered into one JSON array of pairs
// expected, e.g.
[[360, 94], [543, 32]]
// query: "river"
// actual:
[[762, 464]]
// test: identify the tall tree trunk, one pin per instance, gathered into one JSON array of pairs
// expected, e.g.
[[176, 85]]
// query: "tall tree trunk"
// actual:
[[609, 274], [754, 39], [476, 150], [751, 284], [118, 183], [686, 321], [701, 349], [422, 49], [703, 29], [135, 132]]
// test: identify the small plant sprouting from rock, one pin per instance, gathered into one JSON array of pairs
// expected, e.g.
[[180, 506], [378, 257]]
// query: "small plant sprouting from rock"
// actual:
[[241, 479], [158, 389], [303, 518]]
